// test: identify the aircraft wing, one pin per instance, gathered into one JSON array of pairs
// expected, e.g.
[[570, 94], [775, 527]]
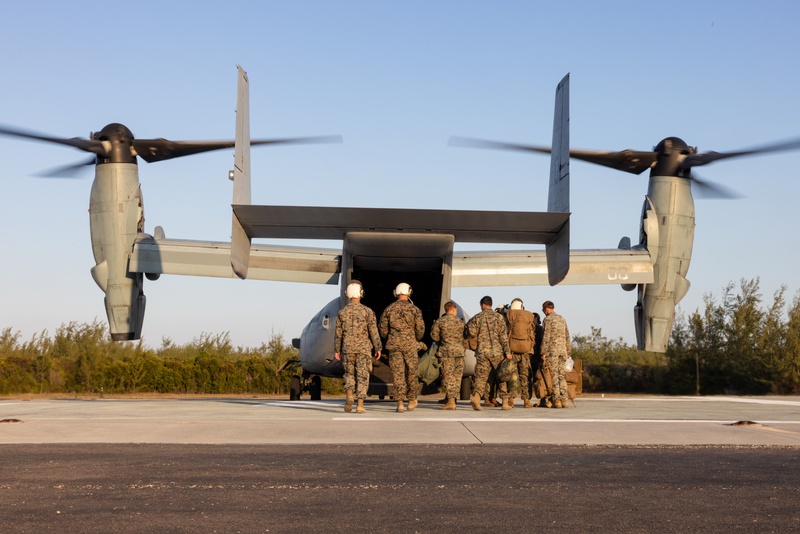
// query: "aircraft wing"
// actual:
[[153, 255], [529, 268], [322, 265]]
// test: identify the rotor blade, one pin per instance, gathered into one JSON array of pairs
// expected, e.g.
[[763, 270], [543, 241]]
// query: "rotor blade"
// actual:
[[469, 142], [87, 145], [626, 160], [153, 150], [695, 160], [67, 171], [711, 190]]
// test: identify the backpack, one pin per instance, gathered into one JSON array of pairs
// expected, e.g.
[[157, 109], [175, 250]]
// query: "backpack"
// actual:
[[520, 327]]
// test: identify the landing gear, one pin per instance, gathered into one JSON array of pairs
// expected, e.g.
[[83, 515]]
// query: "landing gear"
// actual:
[[307, 382], [315, 388], [295, 388]]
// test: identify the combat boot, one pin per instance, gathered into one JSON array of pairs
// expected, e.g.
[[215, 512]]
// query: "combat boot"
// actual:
[[544, 403], [348, 404], [443, 401], [475, 401], [412, 403], [528, 403], [564, 403], [489, 403], [360, 406], [555, 404], [451, 404], [507, 404], [511, 402], [400, 407]]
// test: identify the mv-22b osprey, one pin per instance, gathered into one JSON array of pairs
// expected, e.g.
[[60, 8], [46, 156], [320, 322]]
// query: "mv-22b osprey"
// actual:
[[383, 247]]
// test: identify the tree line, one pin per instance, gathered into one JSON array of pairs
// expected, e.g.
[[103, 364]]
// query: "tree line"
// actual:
[[80, 358], [734, 345]]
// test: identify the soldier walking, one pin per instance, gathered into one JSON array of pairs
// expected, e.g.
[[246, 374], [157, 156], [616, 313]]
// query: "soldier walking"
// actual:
[[521, 338], [556, 348], [490, 329], [448, 332], [402, 326], [356, 338]]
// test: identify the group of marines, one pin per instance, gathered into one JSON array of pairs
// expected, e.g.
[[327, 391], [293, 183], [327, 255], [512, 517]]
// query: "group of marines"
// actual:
[[514, 335]]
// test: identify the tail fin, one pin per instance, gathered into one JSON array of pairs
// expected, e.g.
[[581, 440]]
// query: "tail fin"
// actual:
[[558, 197], [240, 241]]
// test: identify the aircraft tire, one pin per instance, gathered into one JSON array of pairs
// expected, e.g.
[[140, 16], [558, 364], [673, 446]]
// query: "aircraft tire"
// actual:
[[295, 388], [315, 388], [466, 388]]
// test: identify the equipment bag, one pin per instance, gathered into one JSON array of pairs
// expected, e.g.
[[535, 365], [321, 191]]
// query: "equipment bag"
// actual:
[[429, 366], [520, 331], [575, 381], [543, 383]]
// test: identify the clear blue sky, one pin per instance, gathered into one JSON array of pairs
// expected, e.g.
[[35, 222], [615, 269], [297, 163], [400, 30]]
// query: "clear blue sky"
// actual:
[[396, 79]]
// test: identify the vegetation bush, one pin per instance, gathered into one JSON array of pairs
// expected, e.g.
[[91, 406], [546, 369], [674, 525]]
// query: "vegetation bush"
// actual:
[[81, 358], [732, 346]]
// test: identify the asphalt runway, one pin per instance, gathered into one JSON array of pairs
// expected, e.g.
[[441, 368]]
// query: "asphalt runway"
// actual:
[[614, 464]]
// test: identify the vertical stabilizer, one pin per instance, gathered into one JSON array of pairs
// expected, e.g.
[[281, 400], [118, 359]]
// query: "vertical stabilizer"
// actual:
[[240, 241], [558, 195]]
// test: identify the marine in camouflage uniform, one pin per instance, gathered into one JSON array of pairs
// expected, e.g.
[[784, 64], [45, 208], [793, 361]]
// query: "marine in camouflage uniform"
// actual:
[[402, 325], [490, 329], [556, 348], [448, 332], [536, 357], [522, 359], [356, 340]]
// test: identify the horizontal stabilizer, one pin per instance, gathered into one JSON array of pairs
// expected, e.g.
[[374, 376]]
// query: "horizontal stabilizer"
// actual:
[[311, 222]]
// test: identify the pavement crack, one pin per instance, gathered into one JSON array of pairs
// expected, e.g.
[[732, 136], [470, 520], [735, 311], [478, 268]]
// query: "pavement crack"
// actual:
[[471, 432]]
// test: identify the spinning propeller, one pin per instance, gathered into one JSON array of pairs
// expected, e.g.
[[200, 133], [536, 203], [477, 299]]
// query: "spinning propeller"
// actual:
[[115, 144], [671, 157]]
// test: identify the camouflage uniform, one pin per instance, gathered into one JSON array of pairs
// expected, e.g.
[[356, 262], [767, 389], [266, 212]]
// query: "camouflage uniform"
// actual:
[[536, 357], [490, 328], [448, 332], [556, 347], [523, 359], [402, 326], [356, 340]]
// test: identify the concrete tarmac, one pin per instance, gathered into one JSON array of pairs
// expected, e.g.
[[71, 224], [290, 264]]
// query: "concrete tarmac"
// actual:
[[611, 420], [613, 464]]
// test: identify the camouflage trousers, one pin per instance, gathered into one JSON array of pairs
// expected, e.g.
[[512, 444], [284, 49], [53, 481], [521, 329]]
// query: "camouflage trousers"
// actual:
[[452, 371], [484, 365], [357, 368], [404, 364], [523, 362], [555, 364]]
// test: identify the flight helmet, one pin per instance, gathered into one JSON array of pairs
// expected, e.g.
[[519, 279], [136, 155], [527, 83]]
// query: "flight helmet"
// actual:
[[354, 290], [402, 289]]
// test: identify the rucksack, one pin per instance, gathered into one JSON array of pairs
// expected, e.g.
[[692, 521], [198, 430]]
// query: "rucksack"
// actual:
[[520, 328]]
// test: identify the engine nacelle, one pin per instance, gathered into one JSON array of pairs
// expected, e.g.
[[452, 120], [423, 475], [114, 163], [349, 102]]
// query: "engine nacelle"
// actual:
[[668, 224], [116, 217]]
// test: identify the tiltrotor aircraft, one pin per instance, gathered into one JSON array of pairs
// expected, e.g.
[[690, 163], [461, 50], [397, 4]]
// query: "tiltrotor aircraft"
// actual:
[[384, 247]]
